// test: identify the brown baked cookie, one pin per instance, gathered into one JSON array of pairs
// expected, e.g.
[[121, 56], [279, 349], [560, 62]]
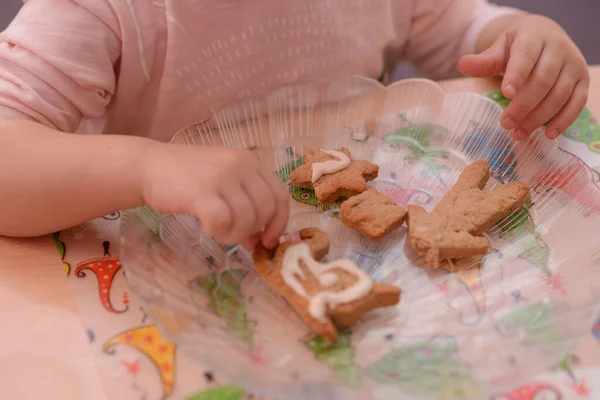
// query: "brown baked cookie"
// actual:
[[454, 228], [348, 182], [270, 265], [372, 213]]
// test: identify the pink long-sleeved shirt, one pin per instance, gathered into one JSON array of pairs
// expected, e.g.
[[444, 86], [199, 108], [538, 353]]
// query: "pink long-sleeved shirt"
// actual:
[[152, 67]]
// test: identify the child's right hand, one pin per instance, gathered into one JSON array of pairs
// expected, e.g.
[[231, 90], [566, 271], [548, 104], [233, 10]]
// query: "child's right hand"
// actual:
[[236, 198]]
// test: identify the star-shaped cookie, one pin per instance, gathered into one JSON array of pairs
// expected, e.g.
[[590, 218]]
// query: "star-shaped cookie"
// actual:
[[270, 265], [454, 228], [348, 182]]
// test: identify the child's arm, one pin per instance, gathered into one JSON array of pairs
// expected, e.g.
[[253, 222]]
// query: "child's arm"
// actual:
[[52, 180], [57, 66], [57, 61], [544, 72]]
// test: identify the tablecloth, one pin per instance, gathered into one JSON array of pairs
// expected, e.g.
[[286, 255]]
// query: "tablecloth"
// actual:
[[137, 362]]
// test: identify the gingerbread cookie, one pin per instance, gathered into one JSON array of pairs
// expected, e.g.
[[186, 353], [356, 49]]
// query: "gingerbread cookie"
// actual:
[[333, 174], [454, 228], [325, 295], [372, 213]]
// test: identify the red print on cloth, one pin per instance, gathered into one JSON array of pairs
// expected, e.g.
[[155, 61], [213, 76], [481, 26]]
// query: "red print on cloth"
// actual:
[[105, 269]]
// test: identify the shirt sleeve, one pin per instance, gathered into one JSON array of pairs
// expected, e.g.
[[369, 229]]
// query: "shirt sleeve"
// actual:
[[57, 62], [442, 31]]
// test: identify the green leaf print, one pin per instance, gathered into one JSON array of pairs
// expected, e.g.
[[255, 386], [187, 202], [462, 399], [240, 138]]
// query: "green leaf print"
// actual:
[[536, 251], [220, 393], [339, 357], [432, 369], [227, 301], [308, 196], [518, 224], [286, 170], [535, 320], [499, 98], [415, 134]]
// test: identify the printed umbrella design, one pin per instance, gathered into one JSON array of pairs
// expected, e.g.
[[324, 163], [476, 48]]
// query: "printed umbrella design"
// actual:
[[532, 391], [150, 341], [470, 278], [105, 270]]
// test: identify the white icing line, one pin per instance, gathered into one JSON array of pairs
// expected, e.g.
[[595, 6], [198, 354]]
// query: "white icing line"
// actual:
[[341, 162], [319, 303]]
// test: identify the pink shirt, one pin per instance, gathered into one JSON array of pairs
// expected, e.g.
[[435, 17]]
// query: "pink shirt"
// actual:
[[152, 67]]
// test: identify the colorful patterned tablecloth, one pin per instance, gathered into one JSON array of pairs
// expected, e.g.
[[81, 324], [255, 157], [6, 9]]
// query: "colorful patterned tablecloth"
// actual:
[[137, 362]]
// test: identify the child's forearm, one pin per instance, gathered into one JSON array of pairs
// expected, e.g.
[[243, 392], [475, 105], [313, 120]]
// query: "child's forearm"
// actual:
[[51, 180]]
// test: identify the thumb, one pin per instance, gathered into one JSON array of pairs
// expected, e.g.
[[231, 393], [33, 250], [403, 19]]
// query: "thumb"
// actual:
[[490, 62]]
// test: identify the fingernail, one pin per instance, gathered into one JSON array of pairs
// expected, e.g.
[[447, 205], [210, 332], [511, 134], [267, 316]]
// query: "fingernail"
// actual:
[[553, 133], [508, 123], [509, 91], [519, 134]]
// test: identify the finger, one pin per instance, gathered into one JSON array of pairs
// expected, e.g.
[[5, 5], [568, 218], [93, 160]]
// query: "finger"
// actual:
[[524, 54], [263, 202], [253, 241], [276, 227], [215, 215], [569, 113], [244, 217], [534, 90], [551, 105], [490, 62]]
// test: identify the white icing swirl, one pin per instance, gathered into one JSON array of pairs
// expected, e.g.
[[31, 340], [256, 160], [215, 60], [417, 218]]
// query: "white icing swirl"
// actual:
[[341, 162], [319, 303]]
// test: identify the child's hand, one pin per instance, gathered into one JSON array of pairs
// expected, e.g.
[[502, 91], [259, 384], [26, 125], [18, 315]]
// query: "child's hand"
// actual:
[[545, 75], [233, 195]]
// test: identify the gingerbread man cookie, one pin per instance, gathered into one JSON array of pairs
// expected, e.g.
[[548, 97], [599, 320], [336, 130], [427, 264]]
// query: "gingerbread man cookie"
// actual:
[[372, 213], [333, 174], [325, 295], [454, 228]]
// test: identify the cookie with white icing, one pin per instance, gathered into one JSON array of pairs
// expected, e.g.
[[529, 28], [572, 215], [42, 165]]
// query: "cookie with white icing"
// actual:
[[333, 174], [328, 295]]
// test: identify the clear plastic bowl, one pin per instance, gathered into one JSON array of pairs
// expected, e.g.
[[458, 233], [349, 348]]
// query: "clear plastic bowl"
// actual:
[[454, 335]]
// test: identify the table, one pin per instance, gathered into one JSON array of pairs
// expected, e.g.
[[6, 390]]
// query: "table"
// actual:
[[45, 336]]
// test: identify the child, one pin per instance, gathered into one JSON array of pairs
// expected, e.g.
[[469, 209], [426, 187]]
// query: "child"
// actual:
[[143, 69]]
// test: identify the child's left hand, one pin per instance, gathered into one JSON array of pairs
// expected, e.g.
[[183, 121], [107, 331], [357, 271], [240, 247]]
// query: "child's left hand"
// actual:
[[545, 75]]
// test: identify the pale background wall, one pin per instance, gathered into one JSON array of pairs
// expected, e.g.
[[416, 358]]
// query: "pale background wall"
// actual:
[[580, 18]]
